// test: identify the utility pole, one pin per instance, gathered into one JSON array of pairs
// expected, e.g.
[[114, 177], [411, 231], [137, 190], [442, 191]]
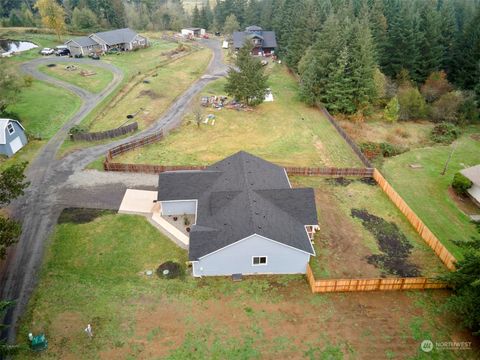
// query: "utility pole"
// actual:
[[454, 146]]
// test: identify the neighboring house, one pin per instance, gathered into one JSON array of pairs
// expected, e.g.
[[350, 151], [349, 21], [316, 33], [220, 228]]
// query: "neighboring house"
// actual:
[[473, 174], [121, 39], [12, 136], [248, 219], [264, 42], [193, 32]]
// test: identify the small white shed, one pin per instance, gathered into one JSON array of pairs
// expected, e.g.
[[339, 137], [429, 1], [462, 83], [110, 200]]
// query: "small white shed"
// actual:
[[193, 32]]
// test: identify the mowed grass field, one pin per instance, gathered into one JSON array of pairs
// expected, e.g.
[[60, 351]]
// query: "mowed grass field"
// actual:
[[43, 108], [426, 191], [343, 244], [148, 99], [285, 131], [94, 83], [94, 273]]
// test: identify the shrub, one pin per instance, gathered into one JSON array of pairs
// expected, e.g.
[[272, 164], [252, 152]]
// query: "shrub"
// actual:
[[77, 129], [412, 103], [447, 107], [461, 184], [391, 111], [445, 133], [435, 86], [373, 150]]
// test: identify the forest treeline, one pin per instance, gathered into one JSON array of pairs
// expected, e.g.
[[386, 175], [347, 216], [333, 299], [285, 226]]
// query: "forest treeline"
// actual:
[[415, 58]]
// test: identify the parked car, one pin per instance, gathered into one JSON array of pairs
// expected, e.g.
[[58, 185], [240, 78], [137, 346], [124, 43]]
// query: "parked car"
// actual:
[[62, 52], [47, 51], [94, 56]]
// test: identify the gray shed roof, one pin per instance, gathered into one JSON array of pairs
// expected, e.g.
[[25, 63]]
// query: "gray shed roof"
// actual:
[[268, 37], [83, 41], [253, 28], [3, 126], [473, 174], [119, 36], [240, 196]]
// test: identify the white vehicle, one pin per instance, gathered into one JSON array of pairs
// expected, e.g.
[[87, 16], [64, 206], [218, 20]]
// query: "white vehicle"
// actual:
[[47, 51]]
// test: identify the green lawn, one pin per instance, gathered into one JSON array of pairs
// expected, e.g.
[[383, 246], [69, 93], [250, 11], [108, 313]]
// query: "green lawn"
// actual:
[[93, 83], [27, 153], [43, 108], [426, 190], [94, 273], [285, 131]]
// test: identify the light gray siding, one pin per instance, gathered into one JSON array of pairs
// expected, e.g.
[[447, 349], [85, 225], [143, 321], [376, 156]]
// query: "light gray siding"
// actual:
[[237, 258], [179, 207], [6, 148]]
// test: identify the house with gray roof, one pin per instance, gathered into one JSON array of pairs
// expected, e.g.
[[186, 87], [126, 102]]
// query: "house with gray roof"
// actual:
[[473, 174], [12, 137], [248, 218], [121, 39], [264, 42]]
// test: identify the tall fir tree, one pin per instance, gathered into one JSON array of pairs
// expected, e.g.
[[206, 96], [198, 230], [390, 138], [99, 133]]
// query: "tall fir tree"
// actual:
[[431, 58]]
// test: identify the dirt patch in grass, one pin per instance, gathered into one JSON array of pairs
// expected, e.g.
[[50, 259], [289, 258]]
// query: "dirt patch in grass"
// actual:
[[341, 250], [464, 203], [343, 181], [80, 215], [149, 93], [170, 270], [394, 245]]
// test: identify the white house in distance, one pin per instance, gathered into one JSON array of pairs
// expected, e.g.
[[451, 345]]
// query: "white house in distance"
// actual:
[[473, 174], [247, 218], [12, 137], [121, 39], [193, 32]]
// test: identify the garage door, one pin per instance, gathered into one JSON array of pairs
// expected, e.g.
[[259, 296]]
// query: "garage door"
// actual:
[[16, 144]]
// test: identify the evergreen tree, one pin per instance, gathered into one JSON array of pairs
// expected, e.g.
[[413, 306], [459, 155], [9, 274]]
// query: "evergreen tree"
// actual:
[[431, 58], [363, 64], [231, 25], [249, 83], [196, 21], [449, 32], [392, 110]]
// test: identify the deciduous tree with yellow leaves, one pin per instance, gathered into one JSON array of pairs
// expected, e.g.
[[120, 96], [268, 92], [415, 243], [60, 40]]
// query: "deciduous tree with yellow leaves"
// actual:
[[52, 15]]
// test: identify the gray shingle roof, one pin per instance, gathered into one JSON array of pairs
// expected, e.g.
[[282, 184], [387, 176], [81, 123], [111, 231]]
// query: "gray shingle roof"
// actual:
[[119, 36], [253, 28], [269, 38], [83, 41], [473, 174], [240, 196]]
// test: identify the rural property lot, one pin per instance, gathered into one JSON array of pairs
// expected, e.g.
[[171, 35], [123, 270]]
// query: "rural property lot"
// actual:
[[357, 238], [139, 317], [427, 191], [285, 131]]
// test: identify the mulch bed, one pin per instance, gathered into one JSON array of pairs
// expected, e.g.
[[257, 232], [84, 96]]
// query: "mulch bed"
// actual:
[[81, 215], [393, 244], [175, 270]]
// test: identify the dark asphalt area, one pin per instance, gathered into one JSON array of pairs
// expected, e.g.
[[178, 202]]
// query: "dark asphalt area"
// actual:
[[47, 196]]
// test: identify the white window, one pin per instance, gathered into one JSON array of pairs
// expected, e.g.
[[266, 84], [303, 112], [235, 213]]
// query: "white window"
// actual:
[[10, 129], [259, 260]]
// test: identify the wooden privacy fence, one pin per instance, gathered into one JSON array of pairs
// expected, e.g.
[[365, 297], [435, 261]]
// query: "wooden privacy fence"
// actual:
[[347, 138], [445, 256], [307, 171], [376, 284], [108, 134]]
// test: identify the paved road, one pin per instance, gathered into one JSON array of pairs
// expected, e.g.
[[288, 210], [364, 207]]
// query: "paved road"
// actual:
[[57, 183]]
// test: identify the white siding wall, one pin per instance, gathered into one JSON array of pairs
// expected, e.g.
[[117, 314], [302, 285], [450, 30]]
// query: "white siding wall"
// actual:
[[237, 258], [179, 207]]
